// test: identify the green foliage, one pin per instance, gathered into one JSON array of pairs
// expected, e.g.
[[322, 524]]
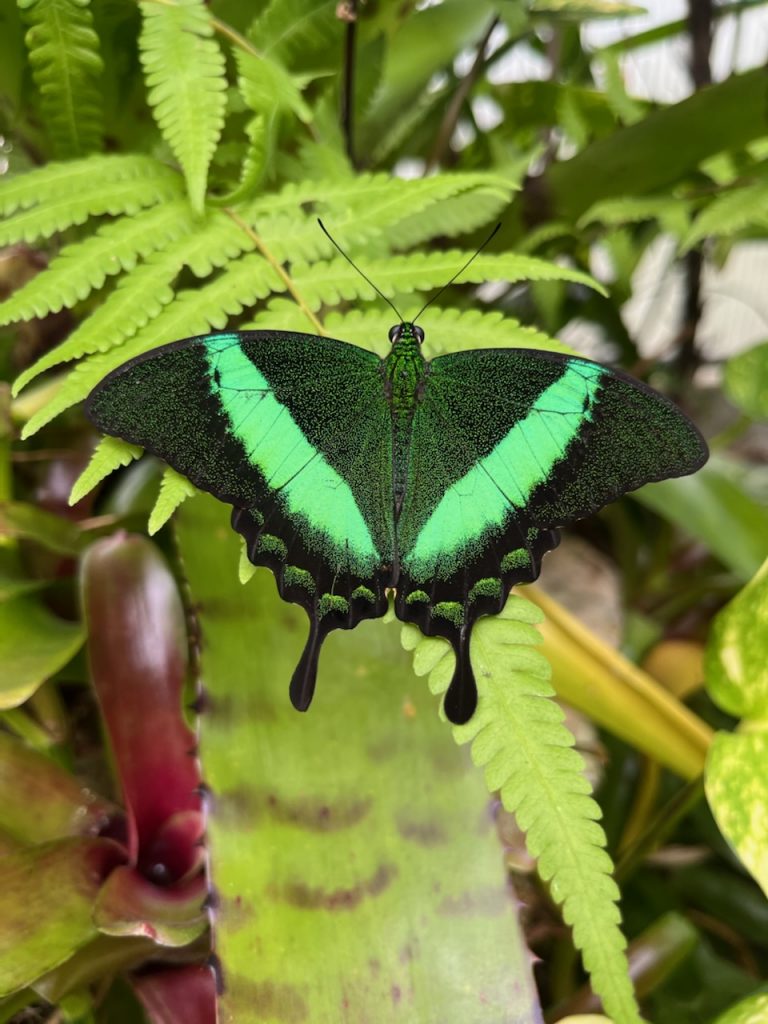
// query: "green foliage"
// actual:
[[184, 69], [518, 737], [174, 489], [731, 212], [737, 678], [66, 66], [746, 381], [206, 218]]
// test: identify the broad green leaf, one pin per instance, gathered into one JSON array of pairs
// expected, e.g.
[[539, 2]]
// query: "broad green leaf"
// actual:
[[345, 843], [736, 659], [46, 905], [746, 381], [752, 1010], [583, 10], [21, 520], [736, 783], [713, 506], [667, 145], [34, 644], [597, 679], [39, 800]]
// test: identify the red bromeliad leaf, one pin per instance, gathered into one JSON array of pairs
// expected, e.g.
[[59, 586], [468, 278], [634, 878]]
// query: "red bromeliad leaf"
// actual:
[[182, 995], [129, 904], [138, 658], [46, 905]]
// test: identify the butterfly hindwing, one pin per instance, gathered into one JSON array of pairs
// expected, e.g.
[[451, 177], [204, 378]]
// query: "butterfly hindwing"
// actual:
[[519, 443], [294, 432]]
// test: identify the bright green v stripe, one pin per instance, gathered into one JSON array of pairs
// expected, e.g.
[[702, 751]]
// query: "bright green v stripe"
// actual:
[[505, 478], [309, 487]]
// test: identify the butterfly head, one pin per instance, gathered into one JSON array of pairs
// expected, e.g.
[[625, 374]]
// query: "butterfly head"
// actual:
[[405, 334]]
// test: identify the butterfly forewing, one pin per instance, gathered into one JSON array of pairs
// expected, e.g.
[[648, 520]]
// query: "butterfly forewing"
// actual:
[[521, 442], [292, 430]]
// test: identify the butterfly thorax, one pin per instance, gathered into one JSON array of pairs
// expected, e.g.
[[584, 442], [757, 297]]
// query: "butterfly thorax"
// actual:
[[404, 370], [404, 374]]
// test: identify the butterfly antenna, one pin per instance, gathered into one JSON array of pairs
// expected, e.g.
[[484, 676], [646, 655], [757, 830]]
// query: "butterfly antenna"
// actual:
[[457, 274], [364, 276]]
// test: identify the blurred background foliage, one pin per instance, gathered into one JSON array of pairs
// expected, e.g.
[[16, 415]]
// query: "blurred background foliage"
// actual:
[[620, 143]]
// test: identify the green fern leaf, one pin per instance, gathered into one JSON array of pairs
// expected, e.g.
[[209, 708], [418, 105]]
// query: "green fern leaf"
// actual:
[[293, 32], [330, 282], [267, 87], [110, 454], [192, 312], [254, 162], [142, 294], [730, 213], [672, 213], [446, 330], [245, 567], [68, 206], [73, 177], [83, 266], [185, 74], [518, 737], [174, 489], [66, 68]]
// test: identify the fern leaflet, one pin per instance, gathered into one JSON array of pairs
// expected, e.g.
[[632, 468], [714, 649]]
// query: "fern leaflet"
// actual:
[[741, 208], [66, 68], [67, 208], [142, 294], [174, 489], [293, 31], [192, 312], [184, 69], [83, 266], [110, 454], [330, 282], [446, 330], [267, 87], [518, 737], [73, 177]]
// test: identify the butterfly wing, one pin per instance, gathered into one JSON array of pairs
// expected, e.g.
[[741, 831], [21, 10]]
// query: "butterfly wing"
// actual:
[[293, 431], [507, 446]]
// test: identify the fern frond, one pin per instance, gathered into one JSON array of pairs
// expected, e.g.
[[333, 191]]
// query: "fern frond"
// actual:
[[267, 87], [330, 282], [45, 184], [68, 206], [518, 737], [185, 73], [446, 330], [672, 213], [252, 169], [729, 213], [66, 68], [293, 31], [142, 294], [192, 312], [454, 215], [84, 266], [110, 454], [174, 489]]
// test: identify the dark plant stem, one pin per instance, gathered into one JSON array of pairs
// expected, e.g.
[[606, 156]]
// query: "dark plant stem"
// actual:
[[349, 14], [451, 116], [700, 33]]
